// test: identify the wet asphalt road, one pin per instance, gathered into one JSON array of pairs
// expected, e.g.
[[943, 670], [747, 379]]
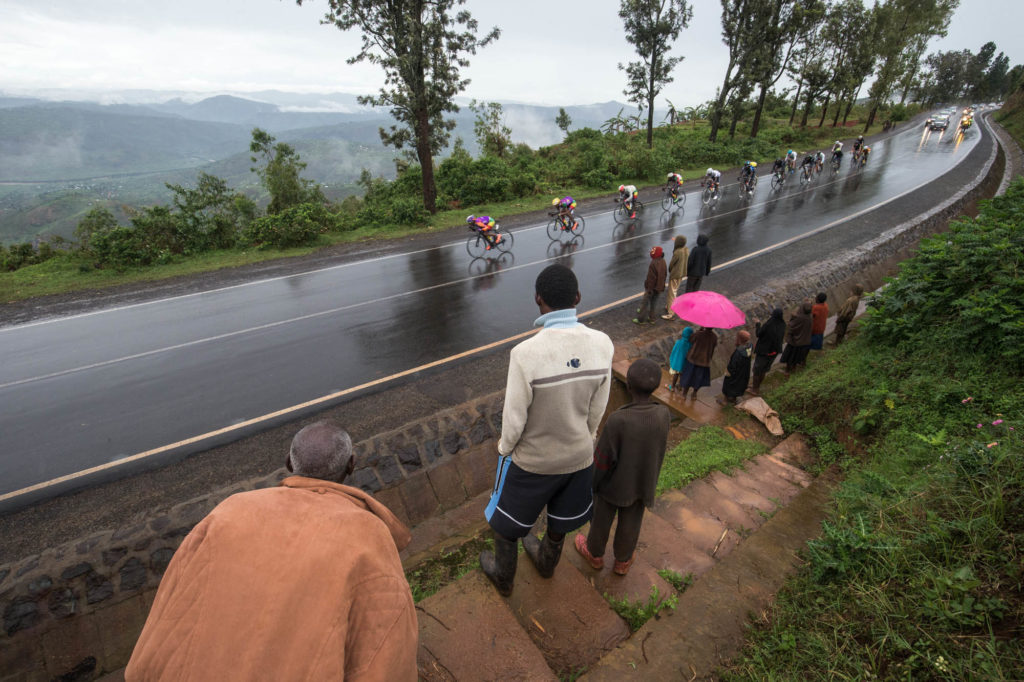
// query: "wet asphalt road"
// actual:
[[87, 390]]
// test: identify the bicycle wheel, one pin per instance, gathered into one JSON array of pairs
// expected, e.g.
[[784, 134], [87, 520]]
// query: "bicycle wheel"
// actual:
[[621, 215], [805, 177], [705, 196], [777, 182], [578, 227], [476, 245], [554, 229], [507, 240], [680, 198], [638, 206]]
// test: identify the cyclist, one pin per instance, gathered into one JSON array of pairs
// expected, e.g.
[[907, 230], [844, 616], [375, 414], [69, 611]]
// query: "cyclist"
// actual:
[[791, 161], [627, 195], [807, 165], [672, 183], [857, 144], [837, 151], [712, 177], [747, 174], [819, 161], [484, 225], [565, 208], [864, 154]]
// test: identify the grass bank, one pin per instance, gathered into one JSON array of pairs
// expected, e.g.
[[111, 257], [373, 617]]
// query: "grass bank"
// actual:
[[919, 573]]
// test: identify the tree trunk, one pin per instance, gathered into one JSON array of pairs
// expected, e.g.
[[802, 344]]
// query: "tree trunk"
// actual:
[[426, 159], [839, 110], [853, 100], [756, 125], [650, 102], [796, 100], [732, 124], [824, 110], [871, 116], [716, 115], [807, 110]]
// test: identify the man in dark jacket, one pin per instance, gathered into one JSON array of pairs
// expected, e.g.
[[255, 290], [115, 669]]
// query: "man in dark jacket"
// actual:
[[768, 346], [699, 264], [653, 286], [737, 374], [798, 337]]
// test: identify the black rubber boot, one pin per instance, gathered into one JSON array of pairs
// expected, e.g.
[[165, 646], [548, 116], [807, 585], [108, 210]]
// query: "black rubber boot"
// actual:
[[500, 565], [544, 553]]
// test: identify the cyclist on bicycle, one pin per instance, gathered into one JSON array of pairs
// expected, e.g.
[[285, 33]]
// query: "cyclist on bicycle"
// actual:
[[672, 183], [748, 174], [837, 151], [858, 143], [565, 209], [484, 225], [713, 178], [864, 154], [807, 165], [627, 195], [791, 160], [819, 161]]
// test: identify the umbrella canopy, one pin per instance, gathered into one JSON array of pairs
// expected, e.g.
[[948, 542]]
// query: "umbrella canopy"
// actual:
[[708, 309]]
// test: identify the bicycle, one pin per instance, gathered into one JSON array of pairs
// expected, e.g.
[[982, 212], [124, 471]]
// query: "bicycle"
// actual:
[[674, 198], [778, 179], [747, 185], [477, 243], [622, 214], [805, 175], [559, 225], [835, 164], [855, 158], [710, 194]]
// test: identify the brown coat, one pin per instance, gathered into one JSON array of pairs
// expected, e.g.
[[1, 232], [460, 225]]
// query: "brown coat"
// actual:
[[702, 348], [656, 272], [298, 582]]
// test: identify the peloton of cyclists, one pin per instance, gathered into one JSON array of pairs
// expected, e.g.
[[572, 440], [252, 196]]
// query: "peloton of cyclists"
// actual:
[[747, 174], [565, 208], [484, 225], [672, 183], [713, 178], [837, 151], [791, 161], [627, 195]]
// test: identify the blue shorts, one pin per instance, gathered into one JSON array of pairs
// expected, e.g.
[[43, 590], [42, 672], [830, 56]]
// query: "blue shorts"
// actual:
[[519, 496]]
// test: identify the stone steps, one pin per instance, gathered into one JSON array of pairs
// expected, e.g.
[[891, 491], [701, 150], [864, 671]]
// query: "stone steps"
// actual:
[[560, 627]]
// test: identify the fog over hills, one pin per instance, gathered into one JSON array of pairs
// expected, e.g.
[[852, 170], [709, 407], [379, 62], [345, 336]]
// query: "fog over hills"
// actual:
[[59, 155]]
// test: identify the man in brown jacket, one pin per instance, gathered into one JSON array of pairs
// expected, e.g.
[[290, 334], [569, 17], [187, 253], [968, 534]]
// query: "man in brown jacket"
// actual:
[[847, 312], [654, 284], [297, 582]]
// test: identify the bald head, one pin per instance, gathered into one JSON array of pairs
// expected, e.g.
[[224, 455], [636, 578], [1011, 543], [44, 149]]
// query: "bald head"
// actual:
[[322, 450]]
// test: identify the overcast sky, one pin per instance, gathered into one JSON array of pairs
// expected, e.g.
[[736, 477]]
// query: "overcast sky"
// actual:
[[556, 52]]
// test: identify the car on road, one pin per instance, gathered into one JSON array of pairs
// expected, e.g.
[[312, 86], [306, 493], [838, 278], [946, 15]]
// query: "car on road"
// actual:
[[939, 122]]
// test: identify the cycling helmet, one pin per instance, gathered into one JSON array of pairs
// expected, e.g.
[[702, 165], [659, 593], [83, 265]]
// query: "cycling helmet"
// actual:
[[554, 202], [789, 152], [860, 137], [838, 142], [710, 171], [470, 219], [622, 188]]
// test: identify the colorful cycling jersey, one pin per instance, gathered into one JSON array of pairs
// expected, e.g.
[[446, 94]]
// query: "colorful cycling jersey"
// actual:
[[567, 203], [750, 168], [837, 147], [791, 156], [628, 192], [674, 179], [714, 175], [484, 222]]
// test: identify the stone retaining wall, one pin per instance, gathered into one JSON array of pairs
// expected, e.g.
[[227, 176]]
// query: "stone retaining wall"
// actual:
[[78, 608]]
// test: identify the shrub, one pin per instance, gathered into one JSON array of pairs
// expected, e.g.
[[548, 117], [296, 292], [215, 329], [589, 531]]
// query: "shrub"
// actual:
[[296, 226]]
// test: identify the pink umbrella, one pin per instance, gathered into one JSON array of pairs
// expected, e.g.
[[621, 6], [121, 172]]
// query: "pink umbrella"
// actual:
[[708, 309]]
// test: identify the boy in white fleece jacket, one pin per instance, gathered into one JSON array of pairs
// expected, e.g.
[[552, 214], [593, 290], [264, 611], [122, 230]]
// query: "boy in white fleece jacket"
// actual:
[[558, 385]]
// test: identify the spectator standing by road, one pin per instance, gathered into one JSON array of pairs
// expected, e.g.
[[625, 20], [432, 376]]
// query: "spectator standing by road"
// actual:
[[627, 461], [677, 358], [558, 385], [676, 274], [654, 284], [819, 316], [297, 582], [699, 264], [768, 345], [697, 372], [798, 337], [737, 374], [847, 312]]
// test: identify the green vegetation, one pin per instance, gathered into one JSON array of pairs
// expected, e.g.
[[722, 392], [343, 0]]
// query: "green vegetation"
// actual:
[[919, 573], [430, 576], [636, 613], [709, 449], [676, 579]]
